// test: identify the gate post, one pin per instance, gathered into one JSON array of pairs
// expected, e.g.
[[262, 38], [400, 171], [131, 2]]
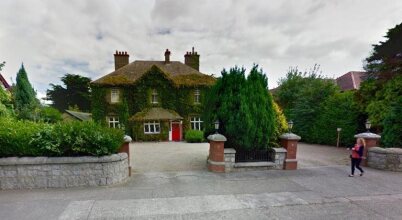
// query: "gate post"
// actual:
[[216, 159], [372, 140], [125, 148], [289, 142]]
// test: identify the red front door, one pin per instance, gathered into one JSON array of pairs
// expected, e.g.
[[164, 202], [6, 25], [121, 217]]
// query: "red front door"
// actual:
[[175, 132]]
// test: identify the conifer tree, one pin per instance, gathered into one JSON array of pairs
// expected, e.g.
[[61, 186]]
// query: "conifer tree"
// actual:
[[25, 100]]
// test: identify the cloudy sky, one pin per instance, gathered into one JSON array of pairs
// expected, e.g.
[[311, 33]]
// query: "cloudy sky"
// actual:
[[55, 37]]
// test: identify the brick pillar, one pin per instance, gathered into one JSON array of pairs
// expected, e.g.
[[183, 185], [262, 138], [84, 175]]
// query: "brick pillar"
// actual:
[[372, 140], [125, 148], [289, 142], [216, 159]]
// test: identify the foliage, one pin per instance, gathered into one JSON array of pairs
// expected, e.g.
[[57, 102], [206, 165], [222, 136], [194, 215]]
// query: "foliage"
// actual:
[[25, 138], [302, 104], [25, 101], [194, 136], [2, 65], [281, 125], [243, 107], [392, 134], [49, 114], [75, 92], [337, 111], [135, 98], [6, 108], [379, 105], [385, 62]]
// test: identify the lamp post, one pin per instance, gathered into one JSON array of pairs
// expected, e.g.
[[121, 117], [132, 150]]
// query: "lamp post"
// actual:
[[368, 126], [290, 126], [216, 124], [337, 140]]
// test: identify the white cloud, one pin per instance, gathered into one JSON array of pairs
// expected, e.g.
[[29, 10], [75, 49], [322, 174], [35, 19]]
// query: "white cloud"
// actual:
[[57, 37]]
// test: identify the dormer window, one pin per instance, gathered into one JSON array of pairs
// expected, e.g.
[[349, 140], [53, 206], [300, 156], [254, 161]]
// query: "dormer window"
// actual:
[[154, 97], [197, 96], [114, 96]]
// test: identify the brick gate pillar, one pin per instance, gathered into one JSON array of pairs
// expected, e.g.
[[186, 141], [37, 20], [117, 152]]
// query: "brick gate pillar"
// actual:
[[216, 159], [289, 142], [125, 148], [372, 140]]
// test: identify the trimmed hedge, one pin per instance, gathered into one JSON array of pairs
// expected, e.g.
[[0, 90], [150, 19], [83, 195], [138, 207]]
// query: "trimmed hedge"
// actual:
[[194, 136], [25, 138]]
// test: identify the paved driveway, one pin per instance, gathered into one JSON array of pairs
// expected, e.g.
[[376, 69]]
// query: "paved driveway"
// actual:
[[313, 155], [168, 156]]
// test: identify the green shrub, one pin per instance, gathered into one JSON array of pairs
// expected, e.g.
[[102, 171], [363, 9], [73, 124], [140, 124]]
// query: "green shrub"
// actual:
[[15, 137], [24, 138], [194, 136], [50, 114], [392, 134]]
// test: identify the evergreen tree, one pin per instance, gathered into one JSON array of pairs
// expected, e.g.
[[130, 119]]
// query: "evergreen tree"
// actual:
[[25, 100], [76, 92], [243, 107]]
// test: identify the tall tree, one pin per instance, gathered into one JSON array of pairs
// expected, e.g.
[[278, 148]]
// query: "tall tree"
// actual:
[[385, 62], [75, 92], [243, 107], [25, 100]]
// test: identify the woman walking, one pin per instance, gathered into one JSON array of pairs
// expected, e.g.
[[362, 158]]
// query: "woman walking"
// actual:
[[356, 156]]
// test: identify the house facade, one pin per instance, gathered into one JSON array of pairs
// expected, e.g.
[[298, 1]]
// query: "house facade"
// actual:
[[152, 100]]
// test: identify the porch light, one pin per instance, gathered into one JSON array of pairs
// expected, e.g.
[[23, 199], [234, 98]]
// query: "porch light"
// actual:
[[216, 123], [368, 125], [290, 126]]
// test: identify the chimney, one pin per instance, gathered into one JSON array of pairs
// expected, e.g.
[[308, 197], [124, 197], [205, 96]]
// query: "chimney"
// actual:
[[120, 59], [192, 59], [167, 56]]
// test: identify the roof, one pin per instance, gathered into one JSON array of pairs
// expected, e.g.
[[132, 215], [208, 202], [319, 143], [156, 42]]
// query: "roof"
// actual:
[[4, 82], [82, 116], [178, 72], [156, 113], [351, 80]]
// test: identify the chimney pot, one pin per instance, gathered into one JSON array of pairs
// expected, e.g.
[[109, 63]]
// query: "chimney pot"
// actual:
[[121, 58], [167, 56]]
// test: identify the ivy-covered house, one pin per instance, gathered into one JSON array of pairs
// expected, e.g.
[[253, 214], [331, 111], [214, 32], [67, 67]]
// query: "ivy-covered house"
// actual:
[[152, 100]]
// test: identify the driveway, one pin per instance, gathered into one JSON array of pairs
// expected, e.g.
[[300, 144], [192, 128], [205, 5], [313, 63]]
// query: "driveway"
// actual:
[[168, 156], [314, 155]]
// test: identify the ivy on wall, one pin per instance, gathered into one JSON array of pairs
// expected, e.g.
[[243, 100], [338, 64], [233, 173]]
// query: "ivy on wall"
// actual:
[[137, 97]]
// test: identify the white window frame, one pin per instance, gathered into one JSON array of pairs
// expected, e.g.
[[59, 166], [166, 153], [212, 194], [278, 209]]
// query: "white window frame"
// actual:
[[114, 95], [113, 122], [152, 127], [197, 96], [196, 123], [154, 97]]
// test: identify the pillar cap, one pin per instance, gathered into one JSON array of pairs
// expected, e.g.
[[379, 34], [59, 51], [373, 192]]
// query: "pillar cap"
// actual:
[[290, 136], [368, 135], [127, 139], [217, 137]]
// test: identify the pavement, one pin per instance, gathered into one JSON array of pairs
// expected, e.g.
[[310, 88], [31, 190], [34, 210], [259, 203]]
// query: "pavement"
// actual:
[[316, 190]]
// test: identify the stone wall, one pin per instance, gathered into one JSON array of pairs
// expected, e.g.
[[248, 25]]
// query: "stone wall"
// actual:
[[60, 172], [385, 158], [277, 163]]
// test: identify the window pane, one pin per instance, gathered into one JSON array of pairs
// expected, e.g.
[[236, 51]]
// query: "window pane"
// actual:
[[146, 128], [157, 128]]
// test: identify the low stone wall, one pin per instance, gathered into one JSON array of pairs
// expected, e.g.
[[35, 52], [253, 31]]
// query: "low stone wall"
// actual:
[[230, 164], [385, 158], [60, 172]]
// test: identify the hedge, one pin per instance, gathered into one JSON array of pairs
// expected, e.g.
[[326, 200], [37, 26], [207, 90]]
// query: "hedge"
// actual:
[[25, 138], [194, 136]]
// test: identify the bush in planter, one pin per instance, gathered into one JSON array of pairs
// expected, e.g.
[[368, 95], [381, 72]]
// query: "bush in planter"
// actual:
[[194, 136]]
